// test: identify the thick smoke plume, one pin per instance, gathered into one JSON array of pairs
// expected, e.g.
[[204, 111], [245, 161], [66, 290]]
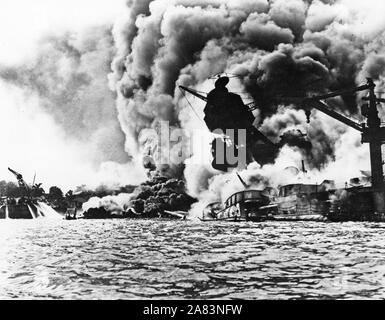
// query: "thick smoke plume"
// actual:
[[274, 48], [149, 200], [68, 77], [271, 50]]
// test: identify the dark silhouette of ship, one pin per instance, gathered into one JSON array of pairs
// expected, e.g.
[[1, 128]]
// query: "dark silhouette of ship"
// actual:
[[25, 206], [357, 201]]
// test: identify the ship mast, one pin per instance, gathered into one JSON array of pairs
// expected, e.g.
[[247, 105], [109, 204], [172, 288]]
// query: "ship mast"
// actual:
[[371, 131]]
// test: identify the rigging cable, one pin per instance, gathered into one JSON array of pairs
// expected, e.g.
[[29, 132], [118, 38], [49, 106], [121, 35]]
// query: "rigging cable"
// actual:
[[192, 108]]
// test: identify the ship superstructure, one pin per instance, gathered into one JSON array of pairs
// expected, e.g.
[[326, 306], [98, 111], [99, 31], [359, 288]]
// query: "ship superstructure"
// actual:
[[308, 200]]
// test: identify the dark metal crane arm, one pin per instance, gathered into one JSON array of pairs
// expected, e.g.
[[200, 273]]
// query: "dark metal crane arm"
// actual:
[[325, 109], [342, 92], [16, 174], [20, 180], [194, 93]]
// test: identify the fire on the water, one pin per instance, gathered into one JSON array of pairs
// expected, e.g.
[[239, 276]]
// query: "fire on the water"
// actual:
[[361, 199]]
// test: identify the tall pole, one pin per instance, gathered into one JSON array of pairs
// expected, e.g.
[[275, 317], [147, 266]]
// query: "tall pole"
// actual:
[[375, 144]]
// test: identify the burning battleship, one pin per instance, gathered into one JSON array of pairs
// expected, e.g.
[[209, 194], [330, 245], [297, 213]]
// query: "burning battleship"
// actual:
[[299, 201], [26, 206], [362, 199], [275, 48]]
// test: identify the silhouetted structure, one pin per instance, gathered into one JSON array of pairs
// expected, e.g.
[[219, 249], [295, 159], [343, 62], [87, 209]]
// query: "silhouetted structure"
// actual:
[[226, 110]]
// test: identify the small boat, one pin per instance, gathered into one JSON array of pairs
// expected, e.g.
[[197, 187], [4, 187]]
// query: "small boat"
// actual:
[[71, 214], [69, 218]]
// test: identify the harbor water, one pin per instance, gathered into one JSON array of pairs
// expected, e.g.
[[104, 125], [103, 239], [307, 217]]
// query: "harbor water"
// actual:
[[148, 259]]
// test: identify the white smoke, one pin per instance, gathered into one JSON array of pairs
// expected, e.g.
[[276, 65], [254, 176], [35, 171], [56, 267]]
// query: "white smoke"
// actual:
[[61, 115], [113, 204], [273, 46]]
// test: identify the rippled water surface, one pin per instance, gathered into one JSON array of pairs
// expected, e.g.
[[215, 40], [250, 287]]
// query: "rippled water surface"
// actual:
[[124, 259]]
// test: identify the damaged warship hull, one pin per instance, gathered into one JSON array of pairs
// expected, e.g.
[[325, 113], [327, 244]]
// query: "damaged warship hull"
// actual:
[[298, 202], [16, 212], [22, 211], [226, 110]]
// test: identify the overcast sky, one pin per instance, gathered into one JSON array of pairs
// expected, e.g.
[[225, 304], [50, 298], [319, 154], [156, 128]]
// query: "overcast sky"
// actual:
[[23, 22], [30, 140]]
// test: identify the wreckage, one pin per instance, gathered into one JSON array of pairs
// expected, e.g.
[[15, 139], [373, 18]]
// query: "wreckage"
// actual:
[[225, 110], [25, 207], [302, 201]]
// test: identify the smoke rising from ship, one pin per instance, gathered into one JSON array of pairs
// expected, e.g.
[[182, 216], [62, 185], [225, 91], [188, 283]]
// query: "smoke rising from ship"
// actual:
[[275, 48], [68, 75], [272, 48], [65, 84]]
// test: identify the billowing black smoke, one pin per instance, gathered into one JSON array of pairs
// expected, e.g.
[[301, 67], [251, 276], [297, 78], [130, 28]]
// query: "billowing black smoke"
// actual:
[[274, 49], [149, 200], [160, 194]]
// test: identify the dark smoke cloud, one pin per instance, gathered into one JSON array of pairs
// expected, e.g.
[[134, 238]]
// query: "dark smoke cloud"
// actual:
[[289, 14], [288, 71], [277, 48], [259, 31]]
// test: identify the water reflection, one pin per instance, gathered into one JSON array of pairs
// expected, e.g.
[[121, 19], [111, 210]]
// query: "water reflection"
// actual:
[[170, 260]]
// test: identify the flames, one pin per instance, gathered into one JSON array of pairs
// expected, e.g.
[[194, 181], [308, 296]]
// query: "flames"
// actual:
[[270, 49], [149, 200], [274, 48]]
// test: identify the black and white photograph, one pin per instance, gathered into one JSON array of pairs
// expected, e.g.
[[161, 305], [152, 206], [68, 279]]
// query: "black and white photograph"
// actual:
[[210, 151]]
